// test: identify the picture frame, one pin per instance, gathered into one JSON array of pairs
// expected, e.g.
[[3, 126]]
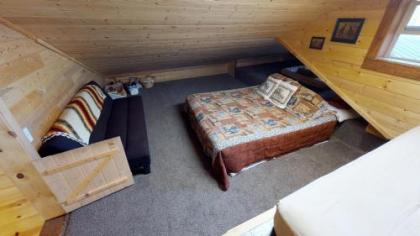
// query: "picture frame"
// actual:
[[317, 43], [347, 30]]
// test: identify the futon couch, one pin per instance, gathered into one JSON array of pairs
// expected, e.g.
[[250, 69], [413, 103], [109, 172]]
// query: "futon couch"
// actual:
[[122, 118]]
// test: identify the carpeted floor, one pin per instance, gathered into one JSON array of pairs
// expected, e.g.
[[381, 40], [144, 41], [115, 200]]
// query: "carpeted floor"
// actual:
[[181, 198]]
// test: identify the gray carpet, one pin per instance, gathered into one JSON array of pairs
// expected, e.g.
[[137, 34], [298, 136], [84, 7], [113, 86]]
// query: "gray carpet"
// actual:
[[181, 198]]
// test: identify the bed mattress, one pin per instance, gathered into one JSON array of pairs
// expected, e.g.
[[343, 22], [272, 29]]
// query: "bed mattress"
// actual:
[[239, 127], [377, 194]]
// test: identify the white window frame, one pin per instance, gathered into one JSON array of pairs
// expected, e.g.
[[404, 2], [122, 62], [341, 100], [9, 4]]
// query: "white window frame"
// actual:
[[405, 29]]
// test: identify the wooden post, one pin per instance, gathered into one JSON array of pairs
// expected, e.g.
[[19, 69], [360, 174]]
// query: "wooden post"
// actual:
[[16, 156], [231, 68]]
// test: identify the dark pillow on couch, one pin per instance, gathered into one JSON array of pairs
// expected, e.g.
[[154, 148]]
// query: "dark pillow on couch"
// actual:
[[58, 144]]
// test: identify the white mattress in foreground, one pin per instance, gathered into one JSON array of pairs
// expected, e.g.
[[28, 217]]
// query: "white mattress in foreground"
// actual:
[[376, 195]]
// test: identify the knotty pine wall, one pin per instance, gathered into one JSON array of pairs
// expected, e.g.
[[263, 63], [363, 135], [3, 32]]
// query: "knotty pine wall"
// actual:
[[35, 82], [391, 104], [125, 36], [17, 215]]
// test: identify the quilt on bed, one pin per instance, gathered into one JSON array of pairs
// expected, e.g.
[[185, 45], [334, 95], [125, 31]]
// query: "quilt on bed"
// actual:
[[239, 117]]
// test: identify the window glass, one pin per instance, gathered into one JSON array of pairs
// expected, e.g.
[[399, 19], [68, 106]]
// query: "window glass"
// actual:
[[407, 47], [415, 19]]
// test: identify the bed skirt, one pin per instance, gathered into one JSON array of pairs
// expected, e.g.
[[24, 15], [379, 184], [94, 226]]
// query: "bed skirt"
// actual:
[[233, 159]]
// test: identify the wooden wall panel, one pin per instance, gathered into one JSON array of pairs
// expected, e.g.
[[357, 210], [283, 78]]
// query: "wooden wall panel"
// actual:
[[124, 36], [17, 215], [391, 104], [35, 82]]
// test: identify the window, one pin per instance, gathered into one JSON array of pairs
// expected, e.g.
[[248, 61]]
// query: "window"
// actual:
[[406, 44], [395, 48]]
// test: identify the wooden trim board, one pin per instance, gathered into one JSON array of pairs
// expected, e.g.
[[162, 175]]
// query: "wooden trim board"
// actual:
[[174, 73], [252, 223], [200, 70]]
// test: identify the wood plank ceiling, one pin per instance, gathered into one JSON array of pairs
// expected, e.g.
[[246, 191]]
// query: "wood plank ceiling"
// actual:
[[122, 36]]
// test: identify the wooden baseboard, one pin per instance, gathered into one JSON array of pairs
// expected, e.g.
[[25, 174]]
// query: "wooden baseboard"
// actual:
[[201, 70], [56, 226], [175, 73]]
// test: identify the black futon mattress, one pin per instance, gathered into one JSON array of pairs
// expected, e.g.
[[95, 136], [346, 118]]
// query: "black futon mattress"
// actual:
[[122, 117]]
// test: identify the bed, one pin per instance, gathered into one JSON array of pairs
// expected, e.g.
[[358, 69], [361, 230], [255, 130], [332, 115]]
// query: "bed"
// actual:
[[376, 194], [237, 128]]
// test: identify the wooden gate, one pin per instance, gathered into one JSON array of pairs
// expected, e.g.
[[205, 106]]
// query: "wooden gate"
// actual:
[[60, 183], [83, 175]]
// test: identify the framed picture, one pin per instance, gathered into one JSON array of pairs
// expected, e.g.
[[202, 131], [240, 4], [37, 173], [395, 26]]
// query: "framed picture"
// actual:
[[317, 43], [347, 30]]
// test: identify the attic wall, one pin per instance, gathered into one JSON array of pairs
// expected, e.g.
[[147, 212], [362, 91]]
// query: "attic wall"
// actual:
[[125, 36], [391, 104], [35, 82]]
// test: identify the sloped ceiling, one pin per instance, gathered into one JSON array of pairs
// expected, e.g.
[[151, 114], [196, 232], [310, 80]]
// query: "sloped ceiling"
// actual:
[[121, 36]]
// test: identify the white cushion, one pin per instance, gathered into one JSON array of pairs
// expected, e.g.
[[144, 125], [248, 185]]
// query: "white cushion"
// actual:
[[377, 194], [343, 114]]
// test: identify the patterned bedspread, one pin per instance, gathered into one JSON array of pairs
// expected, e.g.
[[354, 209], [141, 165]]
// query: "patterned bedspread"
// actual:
[[233, 117]]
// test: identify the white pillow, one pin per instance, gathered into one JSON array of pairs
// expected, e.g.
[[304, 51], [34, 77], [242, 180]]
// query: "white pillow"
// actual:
[[282, 94], [343, 114]]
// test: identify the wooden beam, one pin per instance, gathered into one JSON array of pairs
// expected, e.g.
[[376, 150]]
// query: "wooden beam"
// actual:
[[16, 156], [175, 73]]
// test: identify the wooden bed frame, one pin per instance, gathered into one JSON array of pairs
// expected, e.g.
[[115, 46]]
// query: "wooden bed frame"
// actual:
[[58, 184], [280, 226]]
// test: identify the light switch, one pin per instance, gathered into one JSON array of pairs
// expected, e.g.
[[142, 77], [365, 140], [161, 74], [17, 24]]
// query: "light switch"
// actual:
[[28, 134]]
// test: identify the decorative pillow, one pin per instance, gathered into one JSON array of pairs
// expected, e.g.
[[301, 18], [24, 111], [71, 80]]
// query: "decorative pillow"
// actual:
[[282, 94], [280, 77], [267, 88], [306, 104], [79, 117]]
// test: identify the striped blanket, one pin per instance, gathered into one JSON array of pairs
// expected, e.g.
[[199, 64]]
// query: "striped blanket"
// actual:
[[79, 117]]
